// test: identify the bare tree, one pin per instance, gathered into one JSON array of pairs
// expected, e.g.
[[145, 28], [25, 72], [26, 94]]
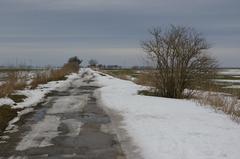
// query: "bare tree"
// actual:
[[73, 64], [92, 63], [74, 59], [180, 60]]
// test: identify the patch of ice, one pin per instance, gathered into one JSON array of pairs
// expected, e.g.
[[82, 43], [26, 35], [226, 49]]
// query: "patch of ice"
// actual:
[[74, 126], [41, 133], [68, 104]]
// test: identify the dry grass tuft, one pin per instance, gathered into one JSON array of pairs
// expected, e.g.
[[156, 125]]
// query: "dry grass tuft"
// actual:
[[221, 101], [40, 78], [15, 81], [146, 78], [54, 74]]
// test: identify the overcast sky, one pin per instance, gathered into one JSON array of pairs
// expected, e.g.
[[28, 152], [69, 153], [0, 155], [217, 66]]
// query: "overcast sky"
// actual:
[[42, 32]]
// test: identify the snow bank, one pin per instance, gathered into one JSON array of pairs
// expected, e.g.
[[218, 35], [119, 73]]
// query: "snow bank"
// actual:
[[227, 81], [6, 101], [165, 128]]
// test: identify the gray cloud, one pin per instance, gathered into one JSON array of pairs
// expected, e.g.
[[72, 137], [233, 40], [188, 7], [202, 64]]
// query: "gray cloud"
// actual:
[[44, 29]]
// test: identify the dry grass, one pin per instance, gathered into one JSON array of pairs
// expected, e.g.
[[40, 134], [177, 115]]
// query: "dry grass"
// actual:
[[146, 78], [15, 81], [54, 75], [226, 100], [40, 78], [227, 103]]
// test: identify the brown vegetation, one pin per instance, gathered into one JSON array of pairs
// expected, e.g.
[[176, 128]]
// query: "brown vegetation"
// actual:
[[15, 81], [220, 101], [146, 78], [56, 74], [6, 114], [17, 98]]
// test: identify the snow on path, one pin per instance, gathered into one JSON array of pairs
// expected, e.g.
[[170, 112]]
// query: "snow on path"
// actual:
[[43, 132], [165, 128]]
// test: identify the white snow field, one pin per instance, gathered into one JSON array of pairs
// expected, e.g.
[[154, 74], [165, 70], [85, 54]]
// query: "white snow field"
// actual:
[[163, 128], [229, 72]]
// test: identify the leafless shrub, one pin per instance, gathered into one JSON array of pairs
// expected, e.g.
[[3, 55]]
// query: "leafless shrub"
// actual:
[[180, 61]]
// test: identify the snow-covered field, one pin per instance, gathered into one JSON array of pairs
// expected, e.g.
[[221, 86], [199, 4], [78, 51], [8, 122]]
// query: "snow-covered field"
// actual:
[[163, 128], [234, 72], [230, 78], [228, 81]]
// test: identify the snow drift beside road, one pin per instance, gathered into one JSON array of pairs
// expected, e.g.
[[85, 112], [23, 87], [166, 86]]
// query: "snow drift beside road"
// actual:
[[165, 128]]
